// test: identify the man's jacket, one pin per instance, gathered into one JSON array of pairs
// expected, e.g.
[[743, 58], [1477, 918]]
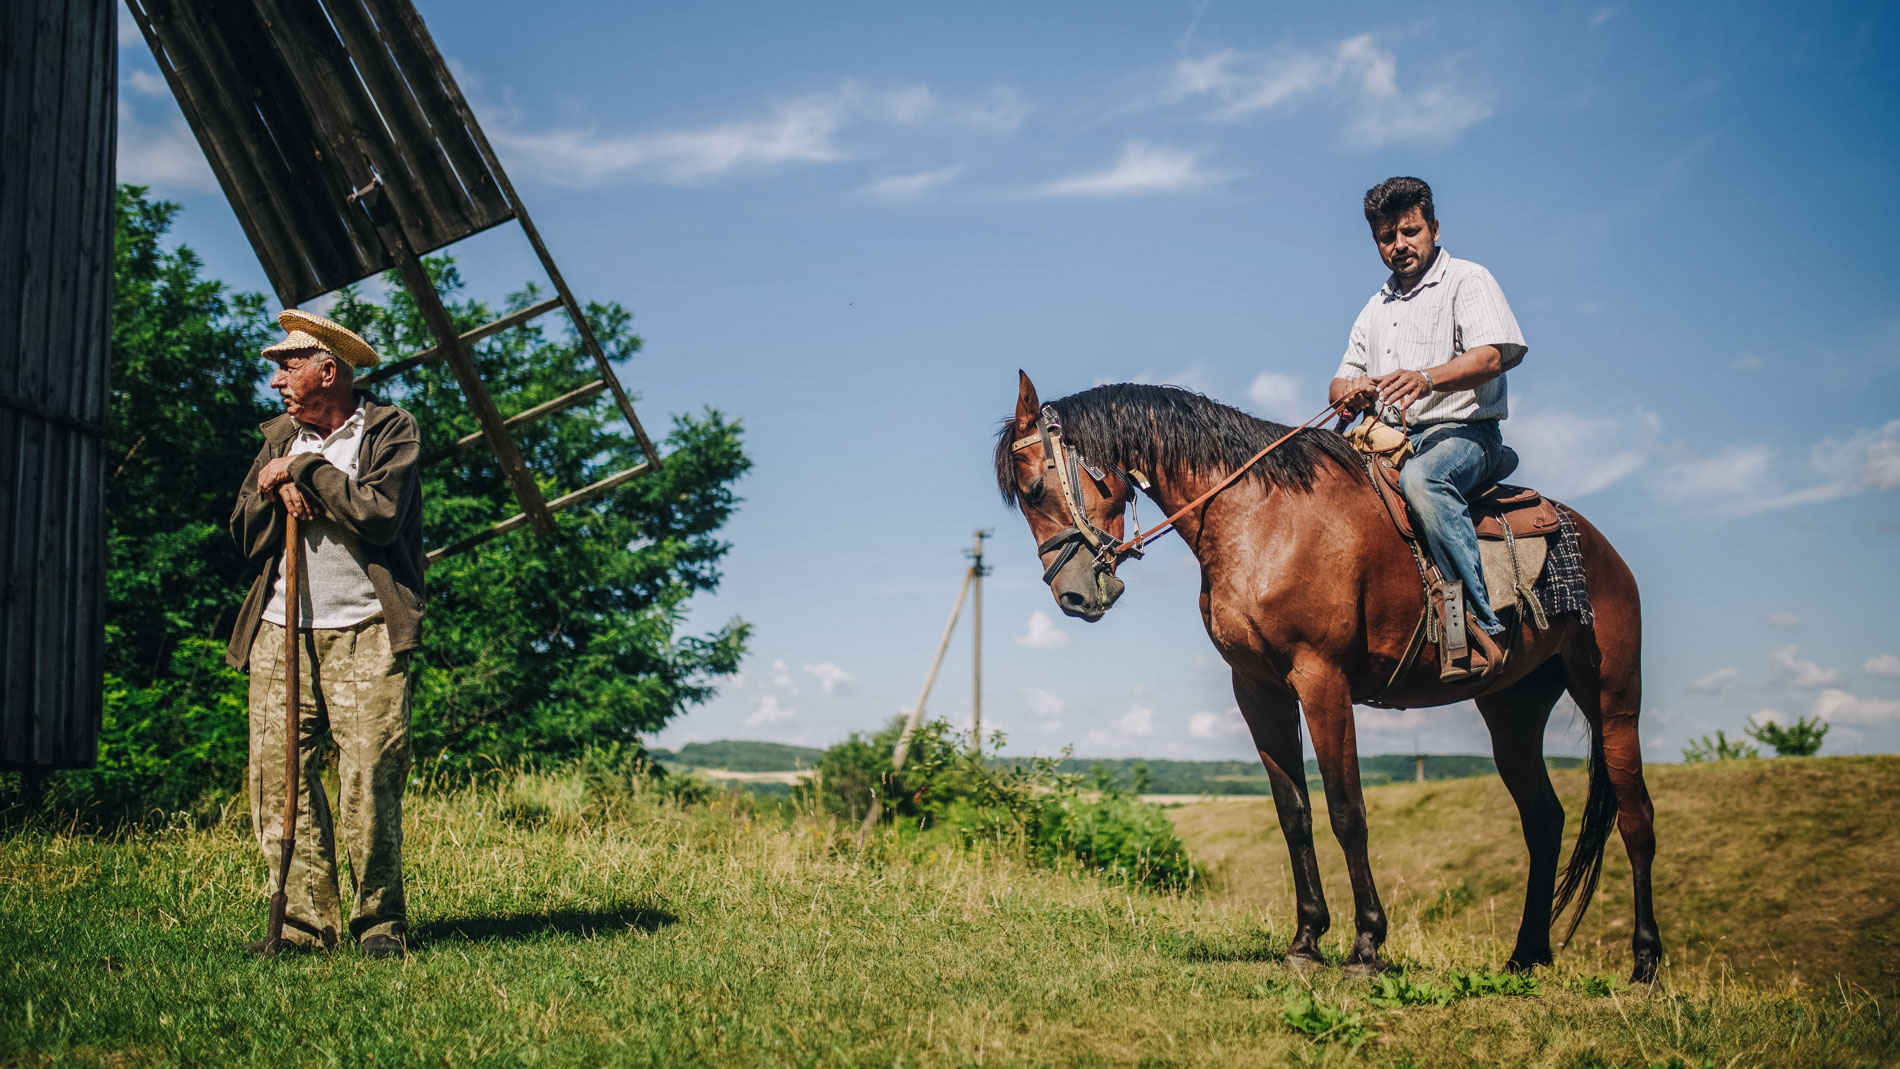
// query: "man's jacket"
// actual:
[[382, 506]]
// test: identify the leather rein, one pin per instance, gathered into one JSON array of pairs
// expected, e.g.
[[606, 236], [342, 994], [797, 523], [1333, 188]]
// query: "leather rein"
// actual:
[[1067, 465]]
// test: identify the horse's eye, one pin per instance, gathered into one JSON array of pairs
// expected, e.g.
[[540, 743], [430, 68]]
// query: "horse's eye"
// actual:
[[1033, 496]]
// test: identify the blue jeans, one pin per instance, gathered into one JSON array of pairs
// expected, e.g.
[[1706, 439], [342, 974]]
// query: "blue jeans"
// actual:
[[1453, 461]]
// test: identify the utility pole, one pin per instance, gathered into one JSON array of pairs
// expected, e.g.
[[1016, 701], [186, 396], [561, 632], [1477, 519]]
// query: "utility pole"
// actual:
[[977, 572]]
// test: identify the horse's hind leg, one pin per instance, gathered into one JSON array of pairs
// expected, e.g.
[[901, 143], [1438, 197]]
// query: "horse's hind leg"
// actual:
[[1604, 669], [1516, 718], [1273, 717]]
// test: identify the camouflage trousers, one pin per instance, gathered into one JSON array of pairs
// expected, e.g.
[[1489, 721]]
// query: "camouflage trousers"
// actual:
[[356, 691]]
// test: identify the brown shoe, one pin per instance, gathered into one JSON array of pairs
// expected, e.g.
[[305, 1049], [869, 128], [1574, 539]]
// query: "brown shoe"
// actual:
[[264, 948], [1487, 657], [381, 946]]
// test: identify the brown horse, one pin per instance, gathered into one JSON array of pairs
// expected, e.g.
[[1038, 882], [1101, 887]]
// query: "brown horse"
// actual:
[[1312, 599]]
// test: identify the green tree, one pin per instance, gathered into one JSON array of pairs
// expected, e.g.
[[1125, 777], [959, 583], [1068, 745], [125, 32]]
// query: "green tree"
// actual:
[[1799, 739], [545, 647]]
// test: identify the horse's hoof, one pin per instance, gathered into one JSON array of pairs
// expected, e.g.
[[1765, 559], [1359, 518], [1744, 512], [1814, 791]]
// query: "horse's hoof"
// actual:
[[1370, 969], [1645, 971], [1303, 964], [1524, 963]]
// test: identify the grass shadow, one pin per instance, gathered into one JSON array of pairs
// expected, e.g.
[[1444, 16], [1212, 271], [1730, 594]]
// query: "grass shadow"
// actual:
[[573, 923], [1259, 949]]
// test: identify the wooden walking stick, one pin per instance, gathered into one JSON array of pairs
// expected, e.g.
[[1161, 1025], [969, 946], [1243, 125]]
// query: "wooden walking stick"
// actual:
[[293, 552]]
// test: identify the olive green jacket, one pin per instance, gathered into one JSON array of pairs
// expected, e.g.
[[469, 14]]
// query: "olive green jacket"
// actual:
[[382, 506]]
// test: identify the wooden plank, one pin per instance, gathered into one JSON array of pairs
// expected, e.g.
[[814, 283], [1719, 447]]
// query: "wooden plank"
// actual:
[[435, 187], [232, 150], [546, 408], [441, 100], [516, 522]]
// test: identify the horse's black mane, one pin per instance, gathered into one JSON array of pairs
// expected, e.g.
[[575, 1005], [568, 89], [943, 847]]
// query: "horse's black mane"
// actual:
[[1158, 429]]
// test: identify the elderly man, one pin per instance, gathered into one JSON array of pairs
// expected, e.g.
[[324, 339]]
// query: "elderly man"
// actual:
[[1429, 352], [345, 465]]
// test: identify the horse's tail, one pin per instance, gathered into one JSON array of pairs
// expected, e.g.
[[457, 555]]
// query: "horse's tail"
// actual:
[[1579, 879]]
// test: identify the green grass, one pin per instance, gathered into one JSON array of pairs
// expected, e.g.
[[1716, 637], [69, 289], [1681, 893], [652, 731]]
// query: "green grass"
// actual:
[[562, 924]]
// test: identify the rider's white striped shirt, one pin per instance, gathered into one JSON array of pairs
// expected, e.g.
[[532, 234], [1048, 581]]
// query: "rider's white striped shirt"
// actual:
[[1455, 307]]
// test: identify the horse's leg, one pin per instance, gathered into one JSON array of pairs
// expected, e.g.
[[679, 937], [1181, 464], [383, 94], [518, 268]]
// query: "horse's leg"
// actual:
[[1604, 666], [1273, 716], [1327, 700], [1516, 718]]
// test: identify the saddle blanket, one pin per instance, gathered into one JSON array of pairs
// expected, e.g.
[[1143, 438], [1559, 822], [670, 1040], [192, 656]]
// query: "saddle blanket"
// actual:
[[1502, 580]]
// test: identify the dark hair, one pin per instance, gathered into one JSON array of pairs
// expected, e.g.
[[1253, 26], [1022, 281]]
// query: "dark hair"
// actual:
[[1164, 429], [1396, 196]]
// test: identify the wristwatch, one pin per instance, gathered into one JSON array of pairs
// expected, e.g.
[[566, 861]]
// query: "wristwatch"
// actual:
[[1429, 388]]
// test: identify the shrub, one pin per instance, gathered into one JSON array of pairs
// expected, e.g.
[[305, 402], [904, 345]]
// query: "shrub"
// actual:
[[1799, 739], [1717, 747], [946, 788]]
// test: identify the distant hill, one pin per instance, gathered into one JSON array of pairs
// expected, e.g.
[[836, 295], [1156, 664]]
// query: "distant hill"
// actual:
[[1162, 776], [741, 755]]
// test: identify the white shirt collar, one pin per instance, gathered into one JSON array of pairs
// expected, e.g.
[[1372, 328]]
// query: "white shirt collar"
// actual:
[[1433, 276]]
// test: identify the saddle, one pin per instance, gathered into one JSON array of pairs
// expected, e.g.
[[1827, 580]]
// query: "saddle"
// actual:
[[1527, 513]]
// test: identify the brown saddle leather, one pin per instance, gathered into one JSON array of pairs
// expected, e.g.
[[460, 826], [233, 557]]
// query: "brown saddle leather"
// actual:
[[1529, 513]]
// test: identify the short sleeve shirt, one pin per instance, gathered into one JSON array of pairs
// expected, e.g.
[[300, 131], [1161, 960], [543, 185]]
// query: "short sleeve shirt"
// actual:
[[1457, 306]]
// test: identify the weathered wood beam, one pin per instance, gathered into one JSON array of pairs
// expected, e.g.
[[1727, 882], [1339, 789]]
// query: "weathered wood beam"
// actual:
[[546, 408], [512, 319], [515, 523]]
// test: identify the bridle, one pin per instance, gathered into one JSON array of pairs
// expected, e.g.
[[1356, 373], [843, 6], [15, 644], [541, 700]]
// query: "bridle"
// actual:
[[1067, 465]]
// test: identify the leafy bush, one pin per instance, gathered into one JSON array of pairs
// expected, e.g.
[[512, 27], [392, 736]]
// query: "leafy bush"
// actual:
[[1799, 739], [946, 788], [1717, 747]]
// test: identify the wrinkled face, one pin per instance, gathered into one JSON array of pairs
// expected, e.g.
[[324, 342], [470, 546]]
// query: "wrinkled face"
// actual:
[[1405, 242], [300, 377], [1081, 589]]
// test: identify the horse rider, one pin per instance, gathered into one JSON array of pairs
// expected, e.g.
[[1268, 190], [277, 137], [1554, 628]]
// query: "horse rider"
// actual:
[[1428, 353]]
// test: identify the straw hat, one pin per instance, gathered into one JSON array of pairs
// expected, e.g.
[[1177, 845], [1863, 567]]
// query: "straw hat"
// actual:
[[304, 331]]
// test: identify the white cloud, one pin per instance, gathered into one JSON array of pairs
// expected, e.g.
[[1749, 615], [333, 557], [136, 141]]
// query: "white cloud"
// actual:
[[1002, 110], [1216, 725], [129, 30], [779, 678], [1139, 722], [1356, 71], [1570, 454], [1800, 671], [149, 83], [1601, 15], [1281, 397], [163, 155], [910, 186], [1717, 681], [1744, 480], [1044, 706], [1043, 633], [769, 710], [802, 130], [1784, 619], [1884, 665], [1838, 706], [1141, 169], [831, 678]]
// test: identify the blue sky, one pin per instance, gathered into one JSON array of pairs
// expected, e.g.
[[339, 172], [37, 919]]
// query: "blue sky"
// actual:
[[849, 225]]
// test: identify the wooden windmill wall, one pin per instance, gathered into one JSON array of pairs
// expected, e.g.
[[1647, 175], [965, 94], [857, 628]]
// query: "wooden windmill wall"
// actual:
[[58, 81]]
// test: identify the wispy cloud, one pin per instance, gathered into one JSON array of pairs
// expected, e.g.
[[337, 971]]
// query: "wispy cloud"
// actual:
[[1571, 453], [1045, 706], [1602, 15], [769, 710], [1884, 665], [899, 187], [1744, 480], [1717, 681], [1281, 397], [1043, 633], [148, 82], [1839, 706], [161, 154], [1784, 619], [1141, 169], [1216, 725], [805, 130], [1378, 110], [831, 678], [1800, 671]]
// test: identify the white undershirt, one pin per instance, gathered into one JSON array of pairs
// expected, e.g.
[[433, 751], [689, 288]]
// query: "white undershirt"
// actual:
[[336, 590]]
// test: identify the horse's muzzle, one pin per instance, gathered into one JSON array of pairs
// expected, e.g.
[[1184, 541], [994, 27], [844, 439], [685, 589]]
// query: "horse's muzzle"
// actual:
[[1087, 591]]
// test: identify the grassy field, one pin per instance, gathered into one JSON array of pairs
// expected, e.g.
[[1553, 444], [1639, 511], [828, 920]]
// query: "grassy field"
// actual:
[[563, 923]]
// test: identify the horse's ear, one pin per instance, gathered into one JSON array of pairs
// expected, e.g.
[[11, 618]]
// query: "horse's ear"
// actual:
[[1028, 407]]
